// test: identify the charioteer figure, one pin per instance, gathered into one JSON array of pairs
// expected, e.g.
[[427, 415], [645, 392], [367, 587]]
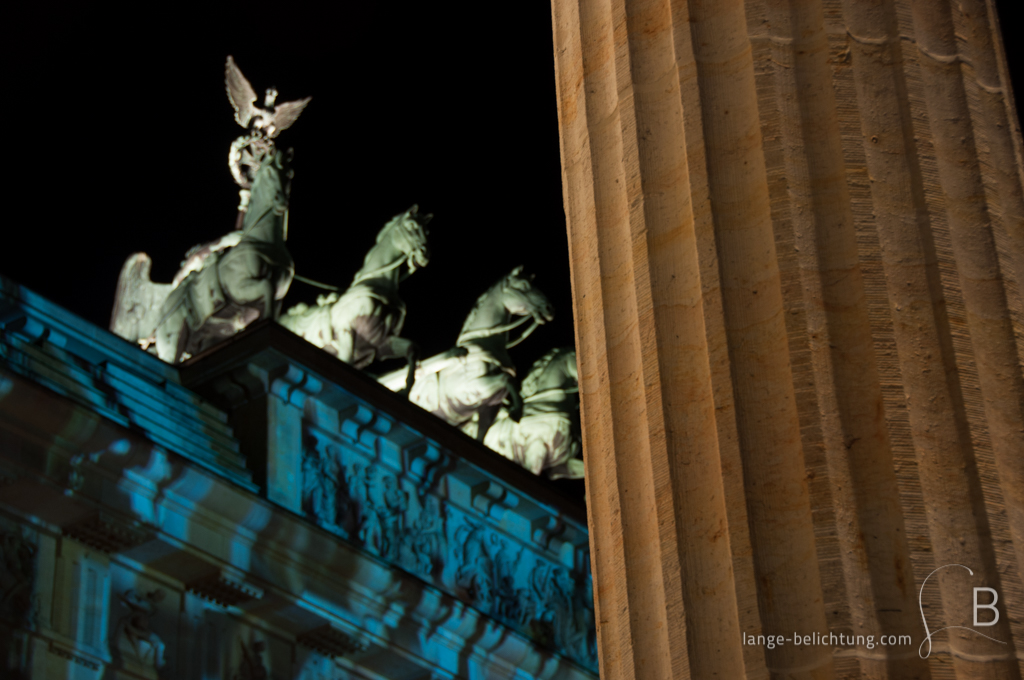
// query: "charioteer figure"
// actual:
[[225, 285]]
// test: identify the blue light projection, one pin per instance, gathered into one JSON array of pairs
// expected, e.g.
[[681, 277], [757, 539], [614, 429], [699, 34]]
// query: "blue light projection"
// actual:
[[263, 512]]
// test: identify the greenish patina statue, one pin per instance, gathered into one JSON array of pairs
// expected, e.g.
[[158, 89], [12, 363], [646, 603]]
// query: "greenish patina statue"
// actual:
[[364, 323], [547, 436], [222, 287], [467, 390], [225, 285]]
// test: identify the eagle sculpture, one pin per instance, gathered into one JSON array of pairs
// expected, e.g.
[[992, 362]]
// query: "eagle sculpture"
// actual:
[[265, 121]]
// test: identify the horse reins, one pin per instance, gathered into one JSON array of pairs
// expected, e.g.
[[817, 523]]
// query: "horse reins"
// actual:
[[550, 391], [466, 336]]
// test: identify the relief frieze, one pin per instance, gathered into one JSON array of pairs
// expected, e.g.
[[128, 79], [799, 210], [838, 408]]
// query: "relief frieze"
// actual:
[[407, 517]]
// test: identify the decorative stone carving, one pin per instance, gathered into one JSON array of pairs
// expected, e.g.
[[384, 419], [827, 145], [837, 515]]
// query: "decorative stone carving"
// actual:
[[458, 389], [252, 666], [364, 323], [227, 590], [17, 575], [557, 609], [331, 642], [63, 653], [401, 519], [425, 544], [485, 571], [396, 503], [136, 640], [547, 437], [107, 533], [370, 507], [320, 476]]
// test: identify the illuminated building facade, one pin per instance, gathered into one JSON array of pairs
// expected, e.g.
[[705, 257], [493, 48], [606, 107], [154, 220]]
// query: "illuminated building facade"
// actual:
[[264, 511]]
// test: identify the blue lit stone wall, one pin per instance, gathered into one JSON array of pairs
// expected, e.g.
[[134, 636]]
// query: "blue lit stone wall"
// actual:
[[464, 533], [268, 515]]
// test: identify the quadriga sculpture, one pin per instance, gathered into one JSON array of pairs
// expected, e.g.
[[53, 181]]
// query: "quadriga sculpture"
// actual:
[[363, 324], [458, 386], [546, 438], [223, 287]]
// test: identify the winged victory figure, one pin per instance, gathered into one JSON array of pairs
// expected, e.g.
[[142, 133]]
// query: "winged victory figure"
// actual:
[[263, 123]]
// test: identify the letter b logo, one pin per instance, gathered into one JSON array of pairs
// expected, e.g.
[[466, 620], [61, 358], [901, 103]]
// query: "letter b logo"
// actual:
[[991, 605]]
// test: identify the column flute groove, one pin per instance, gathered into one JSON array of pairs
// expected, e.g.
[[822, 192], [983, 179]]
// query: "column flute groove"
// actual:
[[789, 586], [581, 43], [988, 318], [872, 540]]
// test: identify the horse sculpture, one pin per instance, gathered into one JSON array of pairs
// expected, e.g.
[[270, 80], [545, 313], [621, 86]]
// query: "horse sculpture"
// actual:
[[223, 286], [547, 435], [363, 324], [467, 390]]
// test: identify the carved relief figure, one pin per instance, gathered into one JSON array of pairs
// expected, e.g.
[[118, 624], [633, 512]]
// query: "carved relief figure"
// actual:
[[18, 605], [252, 666], [459, 389], [507, 603], [426, 537], [547, 436], [364, 323], [396, 502], [17, 571], [368, 493], [137, 638], [487, 571], [320, 478], [584, 643], [540, 598], [475, 574], [558, 610]]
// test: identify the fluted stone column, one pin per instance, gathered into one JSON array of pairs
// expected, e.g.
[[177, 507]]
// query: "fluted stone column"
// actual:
[[795, 232]]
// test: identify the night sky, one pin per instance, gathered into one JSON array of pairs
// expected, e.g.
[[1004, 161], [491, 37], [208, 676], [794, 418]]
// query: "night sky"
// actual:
[[120, 129]]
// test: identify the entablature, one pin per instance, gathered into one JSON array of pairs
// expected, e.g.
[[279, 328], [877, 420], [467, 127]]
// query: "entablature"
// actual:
[[278, 485]]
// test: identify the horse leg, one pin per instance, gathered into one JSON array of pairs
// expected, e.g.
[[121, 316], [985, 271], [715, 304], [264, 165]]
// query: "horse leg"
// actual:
[[247, 283], [270, 308], [402, 347], [485, 418], [411, 354], [345, 345], [535, 456], [515, 408]]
